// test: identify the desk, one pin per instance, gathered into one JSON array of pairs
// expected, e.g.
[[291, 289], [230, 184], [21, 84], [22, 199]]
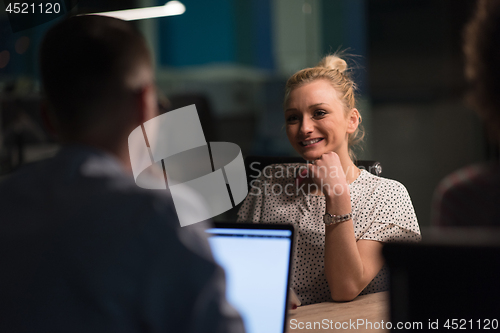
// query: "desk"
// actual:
[[368, 308]]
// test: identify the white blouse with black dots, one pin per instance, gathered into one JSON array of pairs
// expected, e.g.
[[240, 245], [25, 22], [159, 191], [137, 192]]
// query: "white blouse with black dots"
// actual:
[[382, 211]]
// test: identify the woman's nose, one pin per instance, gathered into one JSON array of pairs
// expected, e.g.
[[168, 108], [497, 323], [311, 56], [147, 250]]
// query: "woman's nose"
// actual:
[[306, 126]]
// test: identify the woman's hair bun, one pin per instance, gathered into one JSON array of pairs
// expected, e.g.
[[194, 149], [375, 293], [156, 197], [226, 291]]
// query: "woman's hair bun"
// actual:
[[333, 62]]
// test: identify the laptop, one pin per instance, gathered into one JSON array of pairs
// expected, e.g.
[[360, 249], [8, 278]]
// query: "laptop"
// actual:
[[257, 259], [451, 280]]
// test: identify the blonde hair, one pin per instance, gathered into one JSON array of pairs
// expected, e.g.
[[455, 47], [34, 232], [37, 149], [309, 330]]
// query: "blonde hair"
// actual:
[[333, 69]]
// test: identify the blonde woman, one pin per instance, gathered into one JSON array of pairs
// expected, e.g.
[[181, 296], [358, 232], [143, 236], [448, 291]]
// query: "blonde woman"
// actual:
[[343, 214]]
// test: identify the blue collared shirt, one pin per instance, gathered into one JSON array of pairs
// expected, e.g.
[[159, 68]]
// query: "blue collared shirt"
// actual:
[[84, 249]]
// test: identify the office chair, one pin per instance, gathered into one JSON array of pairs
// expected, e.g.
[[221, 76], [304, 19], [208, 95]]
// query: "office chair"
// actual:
[[255, 164], [204, 108]]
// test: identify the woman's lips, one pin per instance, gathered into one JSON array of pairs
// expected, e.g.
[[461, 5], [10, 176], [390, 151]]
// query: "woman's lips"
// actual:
[[310, 143]]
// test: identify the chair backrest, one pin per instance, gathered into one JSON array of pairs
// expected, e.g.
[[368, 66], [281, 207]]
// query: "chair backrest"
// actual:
[[204, 108], [255, 164]]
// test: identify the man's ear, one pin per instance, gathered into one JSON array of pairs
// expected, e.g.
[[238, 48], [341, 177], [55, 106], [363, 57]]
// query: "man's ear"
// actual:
[[48, 119], [353, 120], [147, 103]]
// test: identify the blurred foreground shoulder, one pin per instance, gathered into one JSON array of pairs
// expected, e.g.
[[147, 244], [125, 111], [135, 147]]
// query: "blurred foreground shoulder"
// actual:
[[468, 197]]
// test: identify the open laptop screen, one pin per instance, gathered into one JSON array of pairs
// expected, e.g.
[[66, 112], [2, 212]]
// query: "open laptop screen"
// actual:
[[257, 260]]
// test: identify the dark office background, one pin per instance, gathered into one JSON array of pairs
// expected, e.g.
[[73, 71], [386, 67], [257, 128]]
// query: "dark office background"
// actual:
[[234, 56]]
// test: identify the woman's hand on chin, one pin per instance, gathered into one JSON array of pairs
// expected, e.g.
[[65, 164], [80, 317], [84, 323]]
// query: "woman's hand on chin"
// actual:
[[327, 173]]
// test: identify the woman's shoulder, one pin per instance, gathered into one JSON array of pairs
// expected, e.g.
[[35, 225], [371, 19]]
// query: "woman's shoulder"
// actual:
[[367, 178], [470, 178], [380, 186], [386, 201]]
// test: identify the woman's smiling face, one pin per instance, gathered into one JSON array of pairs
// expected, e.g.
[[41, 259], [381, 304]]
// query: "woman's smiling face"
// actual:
[[316, 121]]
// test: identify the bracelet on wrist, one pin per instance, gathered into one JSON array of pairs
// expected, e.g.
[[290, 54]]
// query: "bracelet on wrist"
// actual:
[[330, 219]]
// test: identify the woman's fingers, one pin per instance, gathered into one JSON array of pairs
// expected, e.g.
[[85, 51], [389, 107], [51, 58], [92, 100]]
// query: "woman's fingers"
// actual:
[[327, 172], [328, 166], [330, 158]]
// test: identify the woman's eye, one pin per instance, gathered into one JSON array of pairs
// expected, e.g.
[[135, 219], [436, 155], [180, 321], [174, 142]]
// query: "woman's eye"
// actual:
[[319, 113], [291, 119]]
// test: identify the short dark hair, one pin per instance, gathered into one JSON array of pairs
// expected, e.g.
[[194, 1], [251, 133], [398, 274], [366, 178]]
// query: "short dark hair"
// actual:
[[482, 67], [85, 62]]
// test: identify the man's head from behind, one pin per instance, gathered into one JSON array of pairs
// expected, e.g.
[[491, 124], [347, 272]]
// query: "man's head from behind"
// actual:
[[482, 63], [96, 74]]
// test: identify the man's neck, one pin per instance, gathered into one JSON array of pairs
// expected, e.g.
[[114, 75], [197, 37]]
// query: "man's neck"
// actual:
[[118, 151]]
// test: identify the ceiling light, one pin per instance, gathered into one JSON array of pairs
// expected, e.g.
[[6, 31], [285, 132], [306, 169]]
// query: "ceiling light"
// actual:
[[171, 8]]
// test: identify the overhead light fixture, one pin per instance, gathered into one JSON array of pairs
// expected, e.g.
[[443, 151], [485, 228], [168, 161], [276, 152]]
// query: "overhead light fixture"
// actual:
[[171, 8]]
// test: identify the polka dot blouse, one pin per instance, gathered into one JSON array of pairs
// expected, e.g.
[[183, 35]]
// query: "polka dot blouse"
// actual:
[[382, 211]]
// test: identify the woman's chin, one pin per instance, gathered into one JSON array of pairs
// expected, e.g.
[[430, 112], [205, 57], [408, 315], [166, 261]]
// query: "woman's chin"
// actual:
[[310, 156]]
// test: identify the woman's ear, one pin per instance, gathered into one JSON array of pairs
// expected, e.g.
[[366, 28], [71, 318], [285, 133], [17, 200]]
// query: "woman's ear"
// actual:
[[147, 103], [353, 120], [48, 119]]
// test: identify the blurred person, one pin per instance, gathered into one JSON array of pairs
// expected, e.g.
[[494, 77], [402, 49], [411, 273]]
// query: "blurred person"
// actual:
[[343, 214], [82, 247], [471, 196]]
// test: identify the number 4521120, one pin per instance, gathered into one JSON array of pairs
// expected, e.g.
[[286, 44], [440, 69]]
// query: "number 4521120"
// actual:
[[31, 8], [461, 324]]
